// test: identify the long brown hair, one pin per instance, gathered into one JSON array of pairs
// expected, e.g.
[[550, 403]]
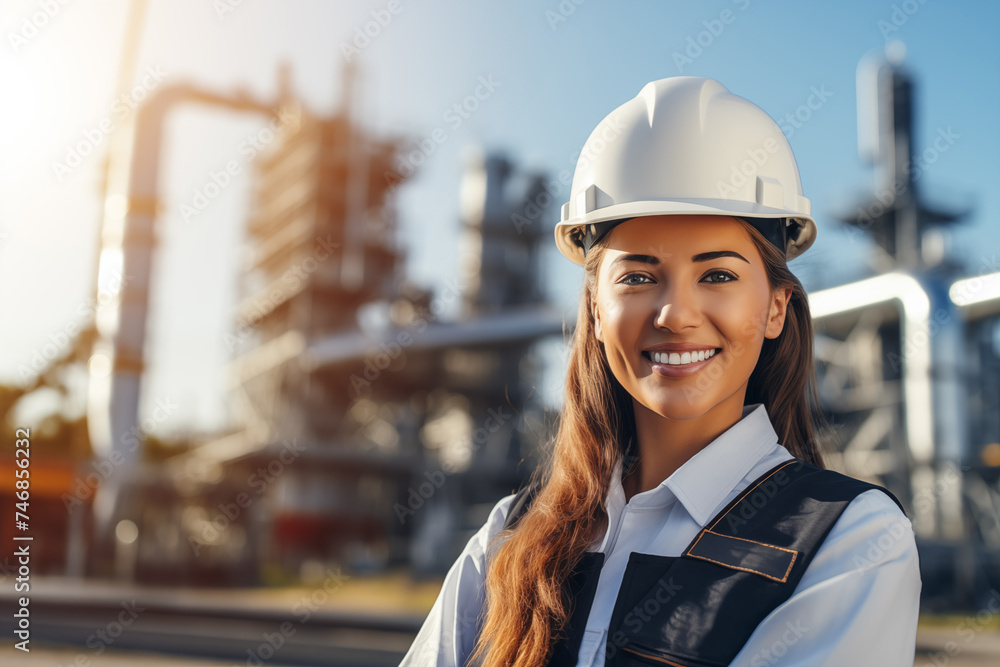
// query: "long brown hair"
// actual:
[[526, 606]]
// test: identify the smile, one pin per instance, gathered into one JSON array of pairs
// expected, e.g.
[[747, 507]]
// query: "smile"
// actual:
[[679, 365], [679, 359]]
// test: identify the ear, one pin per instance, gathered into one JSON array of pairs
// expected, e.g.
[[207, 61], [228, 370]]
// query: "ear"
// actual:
[[777, 311], [598, 331]]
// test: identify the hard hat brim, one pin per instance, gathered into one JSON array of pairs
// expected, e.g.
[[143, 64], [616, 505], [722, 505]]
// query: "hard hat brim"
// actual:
[[736, 208]]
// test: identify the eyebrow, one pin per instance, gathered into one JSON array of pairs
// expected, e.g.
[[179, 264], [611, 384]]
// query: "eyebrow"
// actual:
[[700, 257]]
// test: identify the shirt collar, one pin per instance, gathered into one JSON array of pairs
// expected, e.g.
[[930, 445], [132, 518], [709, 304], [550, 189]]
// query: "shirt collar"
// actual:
[[704, 481]]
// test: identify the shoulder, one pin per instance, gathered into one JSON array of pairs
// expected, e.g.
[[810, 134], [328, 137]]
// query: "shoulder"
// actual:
[[874, 521], [858, 600], [873, 513], [826, 485], [872, 535], [498, 515], [493, 525], [871, 530], [870, 507], [448, 633]]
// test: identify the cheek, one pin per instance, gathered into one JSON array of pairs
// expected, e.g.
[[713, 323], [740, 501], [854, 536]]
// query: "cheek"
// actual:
[[611, 314], [742, 319], [750, 325], [618, 320]]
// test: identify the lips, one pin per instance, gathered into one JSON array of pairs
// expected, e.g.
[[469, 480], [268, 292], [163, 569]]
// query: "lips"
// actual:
[[681, 347], [675, 357], [680, 370]]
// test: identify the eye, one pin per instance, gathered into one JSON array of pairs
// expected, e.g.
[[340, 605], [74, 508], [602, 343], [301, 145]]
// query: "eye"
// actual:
[[728, 277], [628, 279]]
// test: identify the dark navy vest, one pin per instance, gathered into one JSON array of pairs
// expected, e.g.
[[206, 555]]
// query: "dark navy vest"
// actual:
[[700, 608]]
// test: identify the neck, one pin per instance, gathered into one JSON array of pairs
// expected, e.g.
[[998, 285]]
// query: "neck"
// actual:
[[664, 444]]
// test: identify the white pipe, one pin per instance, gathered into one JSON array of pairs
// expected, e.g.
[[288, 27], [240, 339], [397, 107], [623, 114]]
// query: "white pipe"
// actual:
[[978, 296], [915, 311]]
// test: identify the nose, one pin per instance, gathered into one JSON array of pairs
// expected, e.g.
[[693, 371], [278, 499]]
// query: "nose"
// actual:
[[680, 310]]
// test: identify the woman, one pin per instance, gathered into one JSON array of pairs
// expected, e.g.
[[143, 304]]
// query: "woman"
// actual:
[[684, 516]]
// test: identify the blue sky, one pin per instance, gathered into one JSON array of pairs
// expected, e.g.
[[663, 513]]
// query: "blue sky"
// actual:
[[558, 73]]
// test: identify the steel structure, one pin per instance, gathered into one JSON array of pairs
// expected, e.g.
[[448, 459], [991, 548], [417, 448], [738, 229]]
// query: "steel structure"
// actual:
[[895, 352], [404, 422], [128, 245], [351, 386]]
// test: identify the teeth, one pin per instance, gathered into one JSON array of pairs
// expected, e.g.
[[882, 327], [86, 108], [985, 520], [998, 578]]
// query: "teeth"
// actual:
[[676, 359]]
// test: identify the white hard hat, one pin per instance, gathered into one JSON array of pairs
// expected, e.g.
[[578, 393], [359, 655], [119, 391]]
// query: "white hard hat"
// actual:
[[686, 145]]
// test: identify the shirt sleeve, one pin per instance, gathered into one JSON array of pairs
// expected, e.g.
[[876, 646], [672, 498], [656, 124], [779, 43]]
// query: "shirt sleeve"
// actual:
[[448, 633], [857, 602]]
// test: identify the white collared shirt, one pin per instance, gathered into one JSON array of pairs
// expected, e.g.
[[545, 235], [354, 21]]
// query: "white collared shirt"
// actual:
[[856, 604]]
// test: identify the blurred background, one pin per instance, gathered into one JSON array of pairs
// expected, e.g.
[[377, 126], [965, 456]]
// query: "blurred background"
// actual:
[[283, 317]]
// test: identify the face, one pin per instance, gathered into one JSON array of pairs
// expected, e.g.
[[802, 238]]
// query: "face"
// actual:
[[675, 289]]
